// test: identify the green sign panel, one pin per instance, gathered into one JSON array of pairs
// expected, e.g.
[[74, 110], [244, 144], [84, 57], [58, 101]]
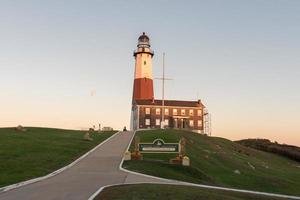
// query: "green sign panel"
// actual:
[[159, 146]]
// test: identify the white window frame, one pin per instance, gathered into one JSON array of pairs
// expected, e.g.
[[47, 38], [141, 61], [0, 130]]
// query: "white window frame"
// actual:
[[157, 122], [167, 122], [147, 122], [191, 112], [191, 123], [157, 111], [166, 111], [147, 111], [199, 112], [175, 111], [199, 123], [182, 112]]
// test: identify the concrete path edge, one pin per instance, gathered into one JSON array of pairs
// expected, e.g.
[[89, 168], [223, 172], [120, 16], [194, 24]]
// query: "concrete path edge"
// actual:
[[34, 180]]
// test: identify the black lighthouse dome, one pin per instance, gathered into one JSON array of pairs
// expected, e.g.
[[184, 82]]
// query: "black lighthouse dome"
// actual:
[[143, 41], [144, 38]]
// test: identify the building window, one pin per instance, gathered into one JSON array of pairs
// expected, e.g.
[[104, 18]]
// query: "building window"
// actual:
[[157, 122], [167, 122], [144, 62], [191, 123], [199, 123], [147, 111], [182, 111], [147, 122], [199, 112], [166, 111], [174, 111], [157, 111], [191, 112]]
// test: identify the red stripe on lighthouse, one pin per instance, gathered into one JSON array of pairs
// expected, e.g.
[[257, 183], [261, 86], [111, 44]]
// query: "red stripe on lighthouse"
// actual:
[[143, 89]]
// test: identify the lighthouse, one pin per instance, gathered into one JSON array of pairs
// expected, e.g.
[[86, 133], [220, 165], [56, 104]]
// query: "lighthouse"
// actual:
[[143, 80], [148, 112]]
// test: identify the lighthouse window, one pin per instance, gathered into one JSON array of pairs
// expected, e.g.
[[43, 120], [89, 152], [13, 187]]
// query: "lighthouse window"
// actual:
[[144, 62]]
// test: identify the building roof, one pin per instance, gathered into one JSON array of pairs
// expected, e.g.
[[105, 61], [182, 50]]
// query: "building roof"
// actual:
[[175, 103]]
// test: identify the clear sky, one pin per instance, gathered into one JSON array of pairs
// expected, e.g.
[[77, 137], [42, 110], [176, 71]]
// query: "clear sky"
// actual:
[[69, 64]]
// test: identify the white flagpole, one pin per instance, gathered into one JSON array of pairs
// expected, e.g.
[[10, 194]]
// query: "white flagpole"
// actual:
[[163, 95]]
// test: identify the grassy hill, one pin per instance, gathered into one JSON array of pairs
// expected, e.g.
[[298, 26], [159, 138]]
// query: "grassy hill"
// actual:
[[218, 161], [172, 192], [40, 151]]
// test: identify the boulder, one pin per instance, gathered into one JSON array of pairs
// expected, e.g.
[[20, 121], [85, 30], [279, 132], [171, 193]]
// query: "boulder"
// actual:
[[87, 137], [20, 128]]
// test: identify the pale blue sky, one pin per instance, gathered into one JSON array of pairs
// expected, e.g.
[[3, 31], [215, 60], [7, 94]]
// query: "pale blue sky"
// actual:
[[240, 57]]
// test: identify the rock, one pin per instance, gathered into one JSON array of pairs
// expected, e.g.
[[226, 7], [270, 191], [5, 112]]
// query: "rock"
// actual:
[[20, 128], [207, 151], [91, 130], [87, 137], [237, 171]]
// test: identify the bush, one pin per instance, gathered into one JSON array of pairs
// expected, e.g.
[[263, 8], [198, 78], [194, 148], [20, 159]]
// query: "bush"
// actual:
[[289, 151]]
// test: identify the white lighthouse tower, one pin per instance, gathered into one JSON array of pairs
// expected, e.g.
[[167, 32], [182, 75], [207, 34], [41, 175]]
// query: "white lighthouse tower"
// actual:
[[143, 80]]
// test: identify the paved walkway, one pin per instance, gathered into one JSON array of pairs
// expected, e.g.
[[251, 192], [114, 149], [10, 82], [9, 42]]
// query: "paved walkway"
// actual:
[[98, 169]]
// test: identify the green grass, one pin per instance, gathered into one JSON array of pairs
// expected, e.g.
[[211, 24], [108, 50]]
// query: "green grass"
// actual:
[[40, 151], [172, 192], [214, 160]]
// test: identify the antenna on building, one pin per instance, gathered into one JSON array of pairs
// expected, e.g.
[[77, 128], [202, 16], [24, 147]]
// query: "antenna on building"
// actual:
[[163, 79], [207, 122]]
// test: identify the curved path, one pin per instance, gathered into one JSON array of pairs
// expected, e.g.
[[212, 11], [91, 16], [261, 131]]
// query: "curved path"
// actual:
[[98, 169]]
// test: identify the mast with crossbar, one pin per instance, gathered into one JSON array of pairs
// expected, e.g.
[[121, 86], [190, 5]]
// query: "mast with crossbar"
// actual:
[[163, 79]]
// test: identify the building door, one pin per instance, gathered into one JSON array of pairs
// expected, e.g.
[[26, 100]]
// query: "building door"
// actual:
[[184, 123], [181, 123]]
